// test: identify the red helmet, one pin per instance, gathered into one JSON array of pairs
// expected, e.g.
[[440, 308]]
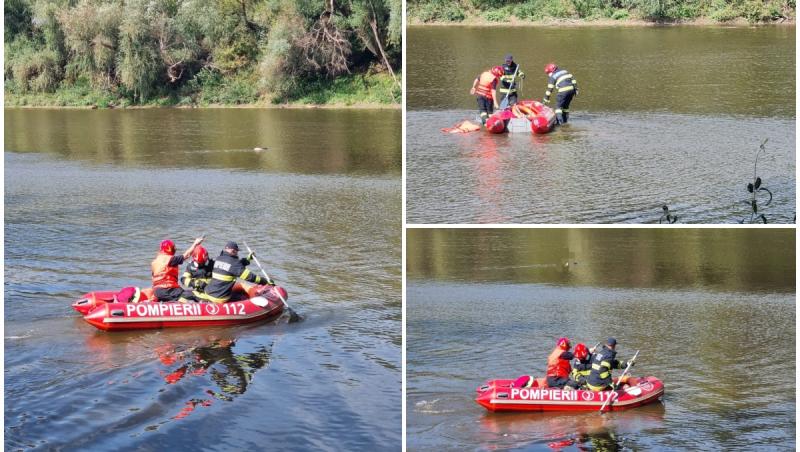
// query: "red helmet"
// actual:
[[200, 255], [497, 71], [581, 352], [168, 246], [564, 343], [551, 67]]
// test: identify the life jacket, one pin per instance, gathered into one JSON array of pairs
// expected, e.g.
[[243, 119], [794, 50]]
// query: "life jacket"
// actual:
[[164, 276], [557, 367], [485, 86]]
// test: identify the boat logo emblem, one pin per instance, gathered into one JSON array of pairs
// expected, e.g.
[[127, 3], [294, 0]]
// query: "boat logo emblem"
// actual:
[[212, 309], [646, 386], [587, 396]]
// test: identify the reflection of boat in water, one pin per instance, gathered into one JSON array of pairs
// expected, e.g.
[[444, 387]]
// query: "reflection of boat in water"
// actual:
[[231, 372], [501, 395], [556, 430], [250, 304]]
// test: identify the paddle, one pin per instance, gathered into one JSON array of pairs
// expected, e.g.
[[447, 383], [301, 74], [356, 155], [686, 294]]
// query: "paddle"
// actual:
[[614, 386], [504, 103], [266, 275]]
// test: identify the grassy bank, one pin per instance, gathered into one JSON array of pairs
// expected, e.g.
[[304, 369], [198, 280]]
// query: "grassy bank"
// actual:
[[600, 12], [355, 90]]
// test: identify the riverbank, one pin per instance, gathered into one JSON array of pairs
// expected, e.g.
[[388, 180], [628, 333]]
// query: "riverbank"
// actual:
[[583, 13], [358, 91], [482, 21]]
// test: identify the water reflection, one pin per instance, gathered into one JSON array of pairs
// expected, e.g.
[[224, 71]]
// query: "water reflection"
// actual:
[[272, 140], [585, 431]]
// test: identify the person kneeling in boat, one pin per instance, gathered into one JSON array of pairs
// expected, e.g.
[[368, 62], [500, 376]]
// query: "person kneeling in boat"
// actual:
[[603, 361], [197, 274], [581, 367], [484, 88], [558, 364], [164, 269], [227, 268]]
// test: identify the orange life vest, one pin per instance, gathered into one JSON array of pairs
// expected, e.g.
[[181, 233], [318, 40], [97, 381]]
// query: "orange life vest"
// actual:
[[557, 367], [485, 84], [164, 276]]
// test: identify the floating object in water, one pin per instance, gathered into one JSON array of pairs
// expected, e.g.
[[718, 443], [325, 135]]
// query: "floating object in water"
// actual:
[[250, 303], [463, 127], [259, 149], [503, 395]]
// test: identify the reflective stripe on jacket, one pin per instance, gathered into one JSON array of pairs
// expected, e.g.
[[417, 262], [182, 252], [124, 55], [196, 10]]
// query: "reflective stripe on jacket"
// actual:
[[226, 270], [602, 364], [562, 81], [508, 76], [164, 276]]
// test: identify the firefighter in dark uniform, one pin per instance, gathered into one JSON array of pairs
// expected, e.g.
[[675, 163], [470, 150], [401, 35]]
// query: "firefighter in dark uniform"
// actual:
[[566, 88], [581, 367], [507, 88], [197, 274], [227, 268], [603, 361]]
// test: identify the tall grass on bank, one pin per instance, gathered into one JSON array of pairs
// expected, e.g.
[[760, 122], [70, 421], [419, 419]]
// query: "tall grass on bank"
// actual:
[[199, 52]]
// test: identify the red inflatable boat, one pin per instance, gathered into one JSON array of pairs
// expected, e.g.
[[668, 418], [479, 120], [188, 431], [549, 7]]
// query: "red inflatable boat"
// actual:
[[525, 116], [250, 304], [501, 395]]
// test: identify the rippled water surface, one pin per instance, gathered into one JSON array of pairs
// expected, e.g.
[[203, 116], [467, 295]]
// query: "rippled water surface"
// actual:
[[666, 116], [708, 310], [88, 197]]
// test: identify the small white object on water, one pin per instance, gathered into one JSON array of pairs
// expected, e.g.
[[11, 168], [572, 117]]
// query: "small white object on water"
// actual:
[[259, 149]]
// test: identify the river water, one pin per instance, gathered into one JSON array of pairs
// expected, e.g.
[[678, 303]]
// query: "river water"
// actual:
[[711, 311], [88, 197], [666, 115]]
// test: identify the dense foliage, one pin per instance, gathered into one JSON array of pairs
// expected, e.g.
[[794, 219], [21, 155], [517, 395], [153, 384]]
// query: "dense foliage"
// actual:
[[200, 51], [753, 11]]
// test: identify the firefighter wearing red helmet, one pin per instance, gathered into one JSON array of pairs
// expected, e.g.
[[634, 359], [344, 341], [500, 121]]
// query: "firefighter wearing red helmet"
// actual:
[[198, 272], [164, 270], [558, 364], [483, 88], [565, 86], [581, 367]]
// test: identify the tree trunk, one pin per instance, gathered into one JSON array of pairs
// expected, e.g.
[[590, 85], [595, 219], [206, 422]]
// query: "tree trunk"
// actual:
[[373, 23]]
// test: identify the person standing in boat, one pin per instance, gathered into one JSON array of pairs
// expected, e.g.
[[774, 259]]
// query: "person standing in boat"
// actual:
[[227, 268], [558, 364], [164, 270], [197, 274], [508, 81], [484, 89], [603, 362], [581, 367], [566, 88]]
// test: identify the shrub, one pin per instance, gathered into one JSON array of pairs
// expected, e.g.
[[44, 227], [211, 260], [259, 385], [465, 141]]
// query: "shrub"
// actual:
[[497, 15]]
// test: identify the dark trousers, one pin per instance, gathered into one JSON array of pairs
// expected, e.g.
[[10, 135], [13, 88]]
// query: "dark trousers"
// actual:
[[557, 382], [485, 108], [172, 294], [512, 98], [562, 106]]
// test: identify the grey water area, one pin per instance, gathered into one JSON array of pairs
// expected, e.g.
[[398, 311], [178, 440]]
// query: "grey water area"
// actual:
[[88, 197], [665, 116], [711, 312]]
